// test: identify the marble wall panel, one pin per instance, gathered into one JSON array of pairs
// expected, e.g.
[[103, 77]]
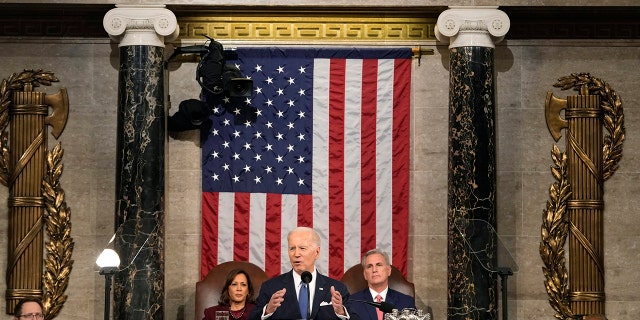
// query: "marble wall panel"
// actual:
[[430, 121], [535, 195], [182, 272], [509, 203], [428, 204]]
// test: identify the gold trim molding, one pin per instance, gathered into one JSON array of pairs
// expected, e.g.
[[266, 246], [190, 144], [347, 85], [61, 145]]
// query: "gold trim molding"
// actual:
[[310, 27]]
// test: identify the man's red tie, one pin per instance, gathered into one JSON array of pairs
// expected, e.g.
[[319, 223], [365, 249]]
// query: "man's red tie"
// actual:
[[378, 311]]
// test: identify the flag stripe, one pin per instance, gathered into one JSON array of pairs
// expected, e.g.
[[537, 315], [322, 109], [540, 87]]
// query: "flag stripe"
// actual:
[[352, 163], [328, 149], [289, 222], [400, 194], [241, 210], [226, 205], [336, 164], [209, 230], [273, 234], [383, 176], [320, 189], [368, 154], [256, 243]]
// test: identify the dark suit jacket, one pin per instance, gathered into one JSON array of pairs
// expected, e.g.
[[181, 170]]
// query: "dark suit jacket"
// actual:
[[289, 309], [366, 312]]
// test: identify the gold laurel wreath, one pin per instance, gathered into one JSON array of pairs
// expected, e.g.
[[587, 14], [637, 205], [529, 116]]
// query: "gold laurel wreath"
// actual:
[[58, 263], [555, 229], [555, 224]]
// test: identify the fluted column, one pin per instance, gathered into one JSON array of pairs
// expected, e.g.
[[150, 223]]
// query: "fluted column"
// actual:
[[472, 243], [141, 31]]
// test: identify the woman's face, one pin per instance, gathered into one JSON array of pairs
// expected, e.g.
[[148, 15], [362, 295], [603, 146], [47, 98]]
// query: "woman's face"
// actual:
[[239, 289]]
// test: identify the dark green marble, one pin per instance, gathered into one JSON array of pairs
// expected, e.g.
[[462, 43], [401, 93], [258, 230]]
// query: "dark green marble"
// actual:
[[140, 165], [472, 186]]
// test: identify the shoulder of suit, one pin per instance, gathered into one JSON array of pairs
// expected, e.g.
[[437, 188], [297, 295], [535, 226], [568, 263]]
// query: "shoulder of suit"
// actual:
[[361, 293], [332, 280], [397, 293], [279, 278]]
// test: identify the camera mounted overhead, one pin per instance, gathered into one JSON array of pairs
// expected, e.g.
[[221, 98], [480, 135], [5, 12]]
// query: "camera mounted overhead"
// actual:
[[213, 73], [217, 80]]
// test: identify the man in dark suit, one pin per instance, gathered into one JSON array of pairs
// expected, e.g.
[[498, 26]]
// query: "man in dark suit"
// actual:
[[377, 271], [278, 297]]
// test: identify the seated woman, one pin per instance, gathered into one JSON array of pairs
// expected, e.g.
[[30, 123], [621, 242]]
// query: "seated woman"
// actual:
[[236, 297]]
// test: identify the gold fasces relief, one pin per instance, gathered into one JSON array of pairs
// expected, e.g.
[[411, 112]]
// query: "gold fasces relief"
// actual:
[[28, 168], [574, 213], [58, 117], [613, 120]]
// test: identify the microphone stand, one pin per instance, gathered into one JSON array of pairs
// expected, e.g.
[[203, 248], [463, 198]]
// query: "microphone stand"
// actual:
[[504, 273], [309, 302], [306, 278], [384, 306]]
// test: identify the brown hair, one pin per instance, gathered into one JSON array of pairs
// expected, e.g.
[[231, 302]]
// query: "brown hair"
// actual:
[[225, 299], [17, 311]]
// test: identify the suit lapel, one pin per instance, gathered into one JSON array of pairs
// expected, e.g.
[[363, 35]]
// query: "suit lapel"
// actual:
[[290, 295], [319, 295], [392, 297], [373, 313]]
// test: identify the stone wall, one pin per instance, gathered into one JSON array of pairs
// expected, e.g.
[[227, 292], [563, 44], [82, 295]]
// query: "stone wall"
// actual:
[[526, 70]]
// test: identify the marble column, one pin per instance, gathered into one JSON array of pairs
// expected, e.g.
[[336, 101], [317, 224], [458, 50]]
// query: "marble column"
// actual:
[[472, 240], [140, 31]]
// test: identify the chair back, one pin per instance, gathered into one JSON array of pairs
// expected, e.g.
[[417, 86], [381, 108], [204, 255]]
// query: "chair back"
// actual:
[[354, 280], [209, 289]]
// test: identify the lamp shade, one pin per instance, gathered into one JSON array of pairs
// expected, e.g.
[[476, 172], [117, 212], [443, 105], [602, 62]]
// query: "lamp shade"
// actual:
[[108, 259]]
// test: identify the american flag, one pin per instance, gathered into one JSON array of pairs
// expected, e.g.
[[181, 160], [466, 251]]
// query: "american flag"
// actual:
[[326, 146]]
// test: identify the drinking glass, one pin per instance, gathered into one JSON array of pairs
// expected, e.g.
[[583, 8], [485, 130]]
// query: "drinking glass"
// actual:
[[222, 315]]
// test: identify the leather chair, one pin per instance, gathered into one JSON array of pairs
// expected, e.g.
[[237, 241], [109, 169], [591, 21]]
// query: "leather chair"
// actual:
[[354, 280], [209, 289]]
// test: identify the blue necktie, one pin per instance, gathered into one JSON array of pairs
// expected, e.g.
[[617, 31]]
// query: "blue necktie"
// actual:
[[303, 300]]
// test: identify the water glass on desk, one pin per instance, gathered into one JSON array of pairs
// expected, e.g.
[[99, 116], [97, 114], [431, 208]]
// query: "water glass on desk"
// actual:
[[222, 315]]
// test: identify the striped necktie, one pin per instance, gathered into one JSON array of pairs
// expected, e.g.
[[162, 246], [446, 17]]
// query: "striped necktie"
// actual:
[[378, 311]]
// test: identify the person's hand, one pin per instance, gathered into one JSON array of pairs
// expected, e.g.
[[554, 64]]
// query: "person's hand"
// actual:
[[336, 301], [275, 301]]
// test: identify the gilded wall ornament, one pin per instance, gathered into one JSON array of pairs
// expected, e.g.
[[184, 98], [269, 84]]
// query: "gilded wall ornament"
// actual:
[[36, 199], [574, 213]]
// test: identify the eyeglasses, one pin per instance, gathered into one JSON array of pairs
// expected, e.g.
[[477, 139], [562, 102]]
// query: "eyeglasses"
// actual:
[[38, 316]]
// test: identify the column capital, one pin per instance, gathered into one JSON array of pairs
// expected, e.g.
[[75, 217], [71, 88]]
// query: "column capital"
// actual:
[[149, 25], [475, 26]]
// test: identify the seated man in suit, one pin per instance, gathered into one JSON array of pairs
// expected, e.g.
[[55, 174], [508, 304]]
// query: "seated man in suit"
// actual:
[[377, 271], [286, 296]]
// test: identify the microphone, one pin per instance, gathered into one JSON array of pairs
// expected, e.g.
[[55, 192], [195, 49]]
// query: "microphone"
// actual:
[[384, 306], [306, 277]]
